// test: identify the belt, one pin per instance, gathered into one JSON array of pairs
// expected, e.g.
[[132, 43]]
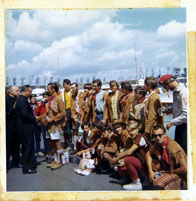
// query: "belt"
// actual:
[[99, 112]]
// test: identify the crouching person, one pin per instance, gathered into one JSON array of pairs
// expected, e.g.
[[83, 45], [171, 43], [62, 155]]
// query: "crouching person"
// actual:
[[134, 160], [166, 161], [55, 111]]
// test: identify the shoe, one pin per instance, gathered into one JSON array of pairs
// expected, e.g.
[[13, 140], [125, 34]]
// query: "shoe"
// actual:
[[68, 149], [72, 152], [134, 186], [50, 164], [56, 166], [40, 154], [29, 171], [123, 180]]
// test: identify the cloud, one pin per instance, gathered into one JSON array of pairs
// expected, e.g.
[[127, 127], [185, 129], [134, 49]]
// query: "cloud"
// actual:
[[86, 43], [172, 29], [46, 26]]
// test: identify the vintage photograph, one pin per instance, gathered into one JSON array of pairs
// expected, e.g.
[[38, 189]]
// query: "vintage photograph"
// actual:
[[96, 100]]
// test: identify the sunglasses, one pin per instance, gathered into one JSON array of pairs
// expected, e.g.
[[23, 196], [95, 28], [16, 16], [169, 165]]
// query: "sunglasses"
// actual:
[[157, 135]]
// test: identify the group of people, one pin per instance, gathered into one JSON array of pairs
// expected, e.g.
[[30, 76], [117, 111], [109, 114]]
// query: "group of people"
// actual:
[[123, 129]]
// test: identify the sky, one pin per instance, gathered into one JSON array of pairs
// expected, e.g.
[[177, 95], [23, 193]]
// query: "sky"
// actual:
[[82, 45]]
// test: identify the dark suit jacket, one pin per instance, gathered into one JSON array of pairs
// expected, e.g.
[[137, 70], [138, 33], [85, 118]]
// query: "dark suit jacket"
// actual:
[[25, 119]]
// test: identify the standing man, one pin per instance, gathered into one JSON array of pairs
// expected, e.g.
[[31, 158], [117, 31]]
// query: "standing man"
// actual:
[[66, 97], [112, 104], [25, 124], [153, 106], [75, 112], [179, 108], [99, 97], [12, 138]]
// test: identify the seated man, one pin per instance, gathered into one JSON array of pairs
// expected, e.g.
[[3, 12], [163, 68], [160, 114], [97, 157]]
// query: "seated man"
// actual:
[[134, 159], [166, 156], [85, 141]]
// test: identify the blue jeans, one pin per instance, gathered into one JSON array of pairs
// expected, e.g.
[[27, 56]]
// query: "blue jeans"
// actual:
[[99, 116]]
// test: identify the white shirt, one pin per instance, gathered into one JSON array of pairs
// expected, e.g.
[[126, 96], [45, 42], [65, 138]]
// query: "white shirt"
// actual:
[[179, 105]]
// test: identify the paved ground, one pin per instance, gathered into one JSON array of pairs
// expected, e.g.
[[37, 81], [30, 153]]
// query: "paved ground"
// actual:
[[63, 179]]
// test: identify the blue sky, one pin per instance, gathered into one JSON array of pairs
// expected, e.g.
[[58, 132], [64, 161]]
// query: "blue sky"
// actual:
[[84, 44]]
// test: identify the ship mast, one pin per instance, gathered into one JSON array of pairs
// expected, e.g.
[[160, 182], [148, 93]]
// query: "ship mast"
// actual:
[[136, 62]]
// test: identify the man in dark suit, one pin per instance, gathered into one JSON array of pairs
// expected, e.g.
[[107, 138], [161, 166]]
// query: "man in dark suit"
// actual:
[[12, 139], [25, 124]]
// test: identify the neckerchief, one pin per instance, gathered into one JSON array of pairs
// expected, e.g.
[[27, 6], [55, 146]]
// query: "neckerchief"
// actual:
[[96, 94], [164, 154], [126, 97], [50, 100]]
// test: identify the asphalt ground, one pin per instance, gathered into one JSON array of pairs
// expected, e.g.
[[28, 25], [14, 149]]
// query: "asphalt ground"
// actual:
[[62, 179]]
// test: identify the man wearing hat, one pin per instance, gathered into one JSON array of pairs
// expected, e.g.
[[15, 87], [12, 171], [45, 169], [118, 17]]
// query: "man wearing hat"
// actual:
[[179, 120]]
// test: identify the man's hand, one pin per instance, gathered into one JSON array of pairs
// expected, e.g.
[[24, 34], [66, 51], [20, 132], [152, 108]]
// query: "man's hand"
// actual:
[[49, 120], [152, 176], [113, 161], [169, 125]]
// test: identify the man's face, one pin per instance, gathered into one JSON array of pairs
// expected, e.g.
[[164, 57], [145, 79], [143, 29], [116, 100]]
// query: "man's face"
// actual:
[[133, 133], [74, 89], [113, 87], [33, 100], [118, 129], [95, 129], [28, 92], [169, 86], [159, 136], [96, 87], [86, 129], [67, 87], [50, 91], [45, 97], [14, 92], [138, 96]]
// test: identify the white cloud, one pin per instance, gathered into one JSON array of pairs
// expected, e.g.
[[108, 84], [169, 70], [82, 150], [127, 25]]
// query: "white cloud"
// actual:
[[22, 46], [172, 29], [86, 43], [27, 28]]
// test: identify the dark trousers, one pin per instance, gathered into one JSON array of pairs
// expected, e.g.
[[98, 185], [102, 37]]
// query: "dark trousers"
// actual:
[[28, 151], [68, 129], [12, 148], [181, 136], [37, 139], [46, 144]]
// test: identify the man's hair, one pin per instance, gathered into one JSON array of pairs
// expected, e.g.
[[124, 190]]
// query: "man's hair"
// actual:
[[159, 126], [25, 88], [66, 81], [107, 127], [113, 82], [98, 124], [141, 90], [127, 86], [10, 88], [54, 86], [85, 124], [98, 81], [75, 83], [151, 82], [88, 86]]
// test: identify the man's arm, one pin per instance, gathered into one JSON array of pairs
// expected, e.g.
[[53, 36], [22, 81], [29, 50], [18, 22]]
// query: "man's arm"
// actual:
[[152, 175], [124, 154]]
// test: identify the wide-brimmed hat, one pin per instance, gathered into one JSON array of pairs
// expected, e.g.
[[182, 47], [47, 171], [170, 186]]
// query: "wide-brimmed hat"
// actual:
[[118, 122]]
